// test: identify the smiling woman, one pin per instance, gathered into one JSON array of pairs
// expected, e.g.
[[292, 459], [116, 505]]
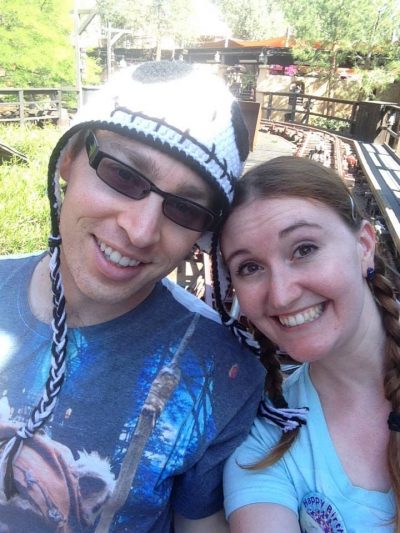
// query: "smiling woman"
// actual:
[[307, 275]]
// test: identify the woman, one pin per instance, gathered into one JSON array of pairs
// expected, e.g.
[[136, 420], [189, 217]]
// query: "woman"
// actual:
[[308, 277]]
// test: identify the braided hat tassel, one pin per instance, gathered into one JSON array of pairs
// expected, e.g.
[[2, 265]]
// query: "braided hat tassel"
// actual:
[[45, 407]]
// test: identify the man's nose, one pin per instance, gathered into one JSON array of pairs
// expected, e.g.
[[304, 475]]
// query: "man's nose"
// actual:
[[142, 220]]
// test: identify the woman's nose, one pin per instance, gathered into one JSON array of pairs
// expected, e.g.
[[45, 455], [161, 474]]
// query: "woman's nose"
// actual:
[[284, 288]]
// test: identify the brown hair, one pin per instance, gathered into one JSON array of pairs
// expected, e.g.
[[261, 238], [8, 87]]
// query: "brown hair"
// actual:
[[295, 176]]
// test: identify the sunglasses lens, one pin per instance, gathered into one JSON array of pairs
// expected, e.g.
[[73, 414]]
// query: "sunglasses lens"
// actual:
[[123, 179], [187, 214]]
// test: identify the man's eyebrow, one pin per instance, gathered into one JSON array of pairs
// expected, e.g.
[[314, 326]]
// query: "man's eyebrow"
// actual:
[[142, 163], [147, 166], [297, 225]]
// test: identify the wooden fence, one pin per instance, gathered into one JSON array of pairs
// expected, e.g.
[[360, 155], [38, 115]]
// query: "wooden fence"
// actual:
[[367, 121], [300, 108], [37, 105]]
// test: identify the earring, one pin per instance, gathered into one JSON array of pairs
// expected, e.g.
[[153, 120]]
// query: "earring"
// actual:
[[370, 274]]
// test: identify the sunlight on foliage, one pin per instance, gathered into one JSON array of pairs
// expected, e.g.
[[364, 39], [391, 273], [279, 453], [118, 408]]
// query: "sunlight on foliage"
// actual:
[[24, 211]]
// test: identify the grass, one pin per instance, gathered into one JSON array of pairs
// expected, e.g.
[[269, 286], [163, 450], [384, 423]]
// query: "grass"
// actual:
[[24, 210]]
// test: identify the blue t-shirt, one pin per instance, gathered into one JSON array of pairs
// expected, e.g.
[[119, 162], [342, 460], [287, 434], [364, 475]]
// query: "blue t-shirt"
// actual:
[[131, 397], [309, 479]]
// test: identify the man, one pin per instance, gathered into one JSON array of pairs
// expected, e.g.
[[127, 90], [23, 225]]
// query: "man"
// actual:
[[147, 394]]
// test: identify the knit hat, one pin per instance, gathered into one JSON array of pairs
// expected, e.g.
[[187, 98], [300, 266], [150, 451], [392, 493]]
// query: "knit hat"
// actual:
[[178, 109]]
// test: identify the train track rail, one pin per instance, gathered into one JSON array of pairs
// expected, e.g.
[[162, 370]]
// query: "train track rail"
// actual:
[[371, 171]]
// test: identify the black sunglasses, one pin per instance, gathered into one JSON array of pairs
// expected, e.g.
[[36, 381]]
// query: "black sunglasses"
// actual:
[[130, 182]]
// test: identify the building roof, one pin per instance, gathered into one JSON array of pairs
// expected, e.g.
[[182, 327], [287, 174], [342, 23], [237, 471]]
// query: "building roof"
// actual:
[[276, 42]]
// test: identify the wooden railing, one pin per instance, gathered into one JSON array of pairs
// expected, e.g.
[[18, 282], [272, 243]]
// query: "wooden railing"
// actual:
[[367, 121], [391, 128], [300, 108], [36, 105]]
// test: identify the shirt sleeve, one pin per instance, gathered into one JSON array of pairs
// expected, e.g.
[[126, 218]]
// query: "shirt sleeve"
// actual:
[[198, 492], [273, 484]]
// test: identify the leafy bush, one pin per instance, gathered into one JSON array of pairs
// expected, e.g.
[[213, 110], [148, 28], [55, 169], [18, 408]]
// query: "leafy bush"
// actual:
[[329, 124]]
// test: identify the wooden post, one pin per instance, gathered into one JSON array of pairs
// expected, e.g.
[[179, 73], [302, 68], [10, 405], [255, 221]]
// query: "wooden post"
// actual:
[[21, 106], [269, 108], [59, 104], [293, 111]]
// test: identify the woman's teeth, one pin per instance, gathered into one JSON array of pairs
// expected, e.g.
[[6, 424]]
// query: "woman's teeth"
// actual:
[[115, 257], [310, 314]]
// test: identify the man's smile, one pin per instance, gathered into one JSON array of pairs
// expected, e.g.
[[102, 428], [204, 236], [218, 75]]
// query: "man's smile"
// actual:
[[115, 257]]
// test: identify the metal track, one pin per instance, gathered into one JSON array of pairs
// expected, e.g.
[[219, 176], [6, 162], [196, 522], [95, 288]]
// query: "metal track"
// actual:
[[371, 171]]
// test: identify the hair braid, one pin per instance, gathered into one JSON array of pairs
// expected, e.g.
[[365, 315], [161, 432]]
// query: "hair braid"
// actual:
[[384, 292], [273, 388], [274, 376]]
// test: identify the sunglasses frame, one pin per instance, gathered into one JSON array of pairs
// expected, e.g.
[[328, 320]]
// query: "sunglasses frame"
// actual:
[[96, 155]]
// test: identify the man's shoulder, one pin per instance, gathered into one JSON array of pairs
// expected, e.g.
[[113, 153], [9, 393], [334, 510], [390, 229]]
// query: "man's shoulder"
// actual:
[[190, 301], [211, 335], [15, 264], [31, 256]]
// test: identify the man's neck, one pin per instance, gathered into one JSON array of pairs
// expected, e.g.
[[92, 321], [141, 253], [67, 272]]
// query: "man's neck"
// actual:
[[80, 310]]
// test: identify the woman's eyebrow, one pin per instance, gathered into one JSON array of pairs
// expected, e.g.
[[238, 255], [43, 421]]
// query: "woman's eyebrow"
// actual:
[[293, 227], [235, 254]]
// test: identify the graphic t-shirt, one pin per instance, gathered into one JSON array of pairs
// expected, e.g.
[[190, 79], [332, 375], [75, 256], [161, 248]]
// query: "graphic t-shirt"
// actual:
[[152, 404], [309, 479]]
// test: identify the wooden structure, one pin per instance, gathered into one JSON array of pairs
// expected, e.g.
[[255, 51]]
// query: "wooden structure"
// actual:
[[36, 105], [252, 116], [7, 152]]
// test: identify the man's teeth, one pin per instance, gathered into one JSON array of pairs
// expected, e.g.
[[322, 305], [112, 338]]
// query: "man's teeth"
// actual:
[[310, 314], [115, 257]]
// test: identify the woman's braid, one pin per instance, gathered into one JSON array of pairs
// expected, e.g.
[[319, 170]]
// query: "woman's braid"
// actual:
[[274, 376], [383, 290]]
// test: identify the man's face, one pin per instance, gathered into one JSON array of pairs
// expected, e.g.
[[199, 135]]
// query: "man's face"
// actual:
[[114, 248]]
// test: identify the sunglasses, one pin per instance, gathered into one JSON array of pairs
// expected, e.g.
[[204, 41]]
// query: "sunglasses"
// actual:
[[130, 182]]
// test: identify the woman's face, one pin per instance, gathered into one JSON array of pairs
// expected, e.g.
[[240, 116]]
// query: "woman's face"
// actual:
[[299, 274]]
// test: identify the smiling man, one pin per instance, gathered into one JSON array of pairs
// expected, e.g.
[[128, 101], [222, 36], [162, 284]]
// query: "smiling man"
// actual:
[[123, 422]]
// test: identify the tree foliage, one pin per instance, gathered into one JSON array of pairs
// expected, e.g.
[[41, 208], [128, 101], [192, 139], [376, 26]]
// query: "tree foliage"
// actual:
[[253, 19], [327, 31], [152, 19], [36, 47]]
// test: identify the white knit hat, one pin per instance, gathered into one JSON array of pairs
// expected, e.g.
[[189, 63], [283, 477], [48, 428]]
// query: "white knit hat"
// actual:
[[180, 109]]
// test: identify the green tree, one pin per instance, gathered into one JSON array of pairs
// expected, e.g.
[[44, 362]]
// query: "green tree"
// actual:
[[253, 19], [151, 18], [36, 47], [327, 31]]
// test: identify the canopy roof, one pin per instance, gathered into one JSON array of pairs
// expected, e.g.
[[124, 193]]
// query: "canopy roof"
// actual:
[[276, 42]]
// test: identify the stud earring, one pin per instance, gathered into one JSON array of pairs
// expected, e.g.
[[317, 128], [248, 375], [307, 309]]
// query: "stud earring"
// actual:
[[370, 274]]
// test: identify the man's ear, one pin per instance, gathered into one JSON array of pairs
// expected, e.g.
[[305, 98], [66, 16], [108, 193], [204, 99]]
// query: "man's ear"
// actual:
[[367, 243], [65, 163]]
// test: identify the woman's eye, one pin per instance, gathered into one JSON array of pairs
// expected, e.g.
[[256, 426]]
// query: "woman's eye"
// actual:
[[247, 269], [303, 250]]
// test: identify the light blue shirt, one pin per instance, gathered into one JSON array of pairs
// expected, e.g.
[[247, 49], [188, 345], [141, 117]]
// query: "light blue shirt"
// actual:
[[309, 479]]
